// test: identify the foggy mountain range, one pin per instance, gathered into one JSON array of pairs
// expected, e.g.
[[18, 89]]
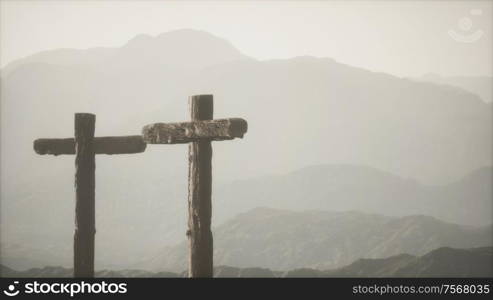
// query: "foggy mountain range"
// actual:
[[162, 222], [347, 187], [301, 111], [479, 85], [442, 262], [285, 240], [377, 143]]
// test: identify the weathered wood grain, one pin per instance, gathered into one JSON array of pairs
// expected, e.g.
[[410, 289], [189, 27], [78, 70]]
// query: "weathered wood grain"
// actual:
[[102, 145], [85, 228], [199, 194], [185, 132]]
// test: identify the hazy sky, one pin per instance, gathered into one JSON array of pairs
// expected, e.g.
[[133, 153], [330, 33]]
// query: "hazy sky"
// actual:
[[406, 38]]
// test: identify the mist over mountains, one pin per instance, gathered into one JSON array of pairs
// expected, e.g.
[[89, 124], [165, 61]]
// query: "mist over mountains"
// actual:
[[301, 111], [285, 240], [348, 187], [138, 230], [479, 85], [378, 143], [442, 262], [176, 49]]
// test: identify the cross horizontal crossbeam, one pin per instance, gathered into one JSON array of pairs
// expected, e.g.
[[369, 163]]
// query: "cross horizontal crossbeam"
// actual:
[[186, 132], [102, 145]]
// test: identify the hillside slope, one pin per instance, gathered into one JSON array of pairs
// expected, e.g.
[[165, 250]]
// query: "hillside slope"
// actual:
[[442, 262], [284, 240]]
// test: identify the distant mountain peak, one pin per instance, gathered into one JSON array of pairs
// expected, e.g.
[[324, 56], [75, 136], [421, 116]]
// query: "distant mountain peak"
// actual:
[[139, 38], [183, 48], [186, 34], [178, 49], [186, 31]]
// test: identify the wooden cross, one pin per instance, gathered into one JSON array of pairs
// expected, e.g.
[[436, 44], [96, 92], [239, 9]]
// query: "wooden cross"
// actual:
[[199, 133], [85, 146]]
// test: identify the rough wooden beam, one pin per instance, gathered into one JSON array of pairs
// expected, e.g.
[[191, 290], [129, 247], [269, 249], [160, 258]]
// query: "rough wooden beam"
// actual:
[[185, 132], [119, 144], [54, 146], [102, 145], [85, 227], [199, 193]]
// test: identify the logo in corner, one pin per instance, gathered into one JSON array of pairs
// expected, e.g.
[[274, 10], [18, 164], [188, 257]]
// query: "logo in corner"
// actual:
[[465, 34], [11, 291]]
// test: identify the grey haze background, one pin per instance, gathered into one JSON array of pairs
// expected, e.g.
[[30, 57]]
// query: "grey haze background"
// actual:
[[404, 38], [361, 135]]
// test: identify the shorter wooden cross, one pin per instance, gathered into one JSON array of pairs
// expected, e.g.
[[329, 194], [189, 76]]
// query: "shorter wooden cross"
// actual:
[[199, 133], [85, 146]]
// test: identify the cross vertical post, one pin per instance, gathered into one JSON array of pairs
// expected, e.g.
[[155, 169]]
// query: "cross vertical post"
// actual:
[[199, 193], [85, 228], [85, 146], [198, 133]]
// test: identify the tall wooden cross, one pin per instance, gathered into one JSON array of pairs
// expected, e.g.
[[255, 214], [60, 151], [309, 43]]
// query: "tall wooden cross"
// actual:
[[84, 145], [199, 133]]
